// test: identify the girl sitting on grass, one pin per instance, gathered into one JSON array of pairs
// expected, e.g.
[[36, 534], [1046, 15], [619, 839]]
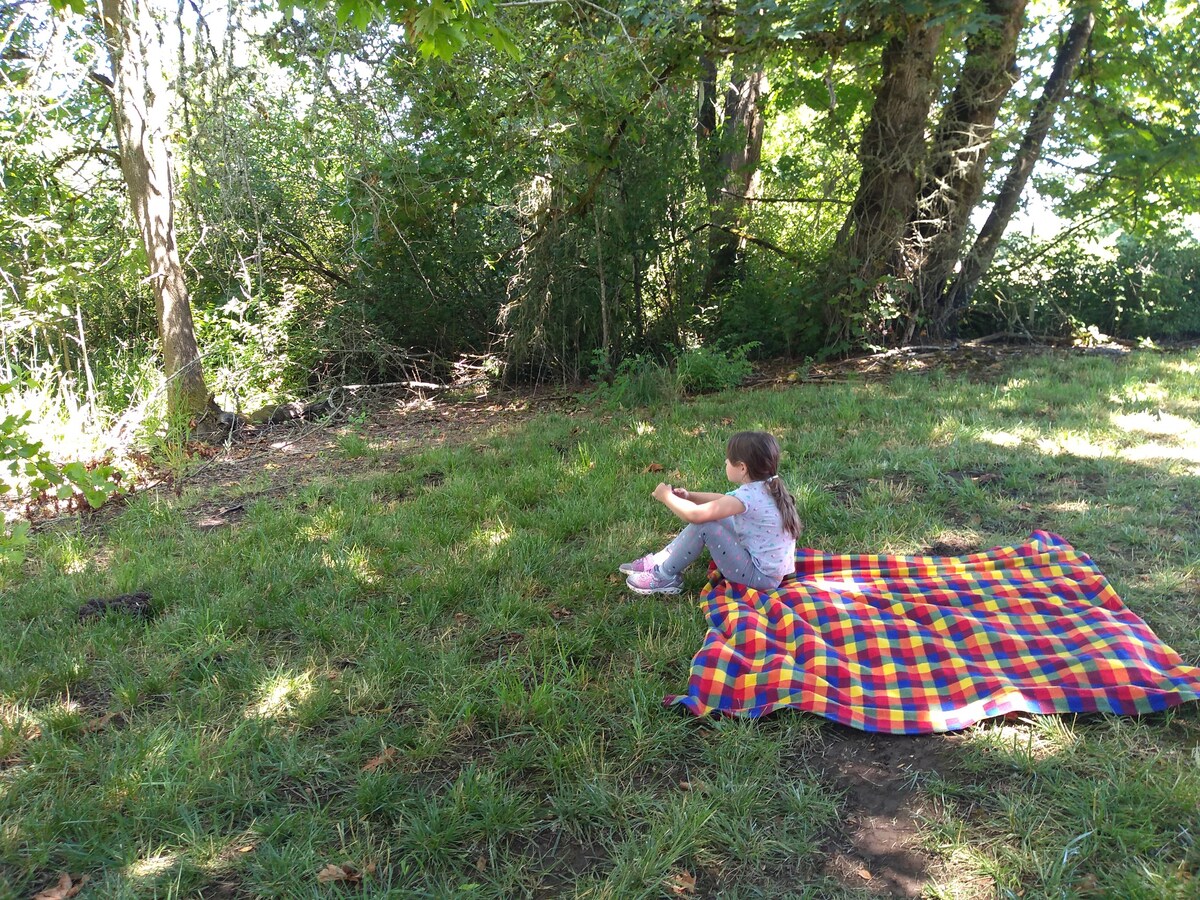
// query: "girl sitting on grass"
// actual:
[[750, 532]]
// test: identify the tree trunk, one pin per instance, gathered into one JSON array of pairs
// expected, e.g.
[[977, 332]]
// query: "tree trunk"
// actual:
[[706, 129], [960, 151], [980, 258], [891, 153], [140, 97], [735, 174]]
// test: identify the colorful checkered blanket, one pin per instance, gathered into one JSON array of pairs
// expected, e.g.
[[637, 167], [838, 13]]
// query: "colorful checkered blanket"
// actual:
[[916, 644]]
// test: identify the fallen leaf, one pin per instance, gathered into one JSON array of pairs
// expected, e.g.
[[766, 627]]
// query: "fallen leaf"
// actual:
[[864, 874], [727, 421], [345, 872], [99, 724], [246, 849], [387, 756], [66, 887], [682, 883], [654, 467], [481, 864]]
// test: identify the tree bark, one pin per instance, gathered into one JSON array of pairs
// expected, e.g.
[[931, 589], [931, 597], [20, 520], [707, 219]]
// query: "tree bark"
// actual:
[[735, 175], [958, 164], [706, 128], [891, 154], [140, 98], [979, 259]]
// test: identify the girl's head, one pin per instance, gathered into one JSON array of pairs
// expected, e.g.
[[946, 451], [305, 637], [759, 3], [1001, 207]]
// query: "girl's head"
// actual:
[[759, 453]]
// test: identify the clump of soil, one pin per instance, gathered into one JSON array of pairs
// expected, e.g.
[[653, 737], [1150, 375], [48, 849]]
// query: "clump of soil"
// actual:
[[140, 605]]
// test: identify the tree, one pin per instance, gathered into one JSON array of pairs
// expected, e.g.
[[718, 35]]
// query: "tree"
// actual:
[[891, 154], [141, 97], [959, 153], [980, 257], [732, 154]]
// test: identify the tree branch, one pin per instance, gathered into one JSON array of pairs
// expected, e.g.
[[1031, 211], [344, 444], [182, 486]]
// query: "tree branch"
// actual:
[[757, 241], [817, 200]]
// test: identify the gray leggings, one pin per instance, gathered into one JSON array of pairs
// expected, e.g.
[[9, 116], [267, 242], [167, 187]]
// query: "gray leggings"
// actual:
[[726, 550]]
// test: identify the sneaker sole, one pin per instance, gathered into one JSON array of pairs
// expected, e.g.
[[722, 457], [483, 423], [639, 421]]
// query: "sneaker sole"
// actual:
[[661, 590]]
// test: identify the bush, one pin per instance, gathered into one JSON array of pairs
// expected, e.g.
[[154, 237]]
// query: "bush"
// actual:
[[639, 380], [702, 370], [1138, 287]]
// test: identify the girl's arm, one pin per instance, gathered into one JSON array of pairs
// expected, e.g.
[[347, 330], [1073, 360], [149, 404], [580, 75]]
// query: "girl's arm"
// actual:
[[721, 507], [701, 496]]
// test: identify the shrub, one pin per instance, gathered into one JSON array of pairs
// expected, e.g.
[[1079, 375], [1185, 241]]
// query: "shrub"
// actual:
[[703, 369], [639, 380]]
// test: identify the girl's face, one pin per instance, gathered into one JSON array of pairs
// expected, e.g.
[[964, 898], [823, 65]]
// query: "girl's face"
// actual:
[[736, 472]]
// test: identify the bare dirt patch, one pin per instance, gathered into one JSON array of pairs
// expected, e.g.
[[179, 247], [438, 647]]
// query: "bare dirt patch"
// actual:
[[879, 848]]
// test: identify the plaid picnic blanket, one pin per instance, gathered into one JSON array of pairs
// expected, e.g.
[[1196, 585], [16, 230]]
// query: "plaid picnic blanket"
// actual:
[[916, 644]]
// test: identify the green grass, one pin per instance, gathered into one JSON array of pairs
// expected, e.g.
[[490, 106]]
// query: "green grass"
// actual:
[[458, 614]]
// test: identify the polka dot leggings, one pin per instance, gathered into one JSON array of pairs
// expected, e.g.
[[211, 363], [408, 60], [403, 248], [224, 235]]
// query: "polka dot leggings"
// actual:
[[727, 552]]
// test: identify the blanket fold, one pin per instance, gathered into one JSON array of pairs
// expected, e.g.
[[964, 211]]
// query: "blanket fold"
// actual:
[[919, 644]]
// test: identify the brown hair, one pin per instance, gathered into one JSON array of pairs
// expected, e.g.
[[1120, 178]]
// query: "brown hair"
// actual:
[[759, 451]]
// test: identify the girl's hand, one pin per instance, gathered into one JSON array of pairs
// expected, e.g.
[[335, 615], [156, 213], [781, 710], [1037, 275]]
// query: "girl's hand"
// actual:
[[682, 493], [660, 492]]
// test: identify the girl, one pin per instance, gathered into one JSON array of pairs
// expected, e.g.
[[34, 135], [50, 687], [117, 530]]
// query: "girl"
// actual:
[[750, 532]]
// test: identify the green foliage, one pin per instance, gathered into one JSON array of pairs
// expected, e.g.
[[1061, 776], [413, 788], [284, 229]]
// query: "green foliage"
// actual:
[[703, 370], [31, 471], [639, 380], [644, 380], [1130, 288], [27, 470]]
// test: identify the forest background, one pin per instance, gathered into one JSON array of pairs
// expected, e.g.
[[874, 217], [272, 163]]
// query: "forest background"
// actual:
[[533, 190]]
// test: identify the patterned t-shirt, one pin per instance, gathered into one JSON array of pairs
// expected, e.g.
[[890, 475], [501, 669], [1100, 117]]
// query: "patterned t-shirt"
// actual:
[[760, 530]]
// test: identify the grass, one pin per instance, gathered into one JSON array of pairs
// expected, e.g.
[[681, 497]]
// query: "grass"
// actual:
[[431, 670]]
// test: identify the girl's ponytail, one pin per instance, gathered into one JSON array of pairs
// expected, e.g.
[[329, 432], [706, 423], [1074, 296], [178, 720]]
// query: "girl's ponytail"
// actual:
[[786, 505]]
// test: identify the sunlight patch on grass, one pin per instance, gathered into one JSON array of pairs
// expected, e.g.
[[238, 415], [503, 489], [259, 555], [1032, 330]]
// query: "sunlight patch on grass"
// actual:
[[326, 524], [641, 429], [1002, 438], [1141, 393], [281, 696], [1069, 443], [1069, 506], [151, 866], [491, 535], [1158, 424], [1153, 451], [1025, 742], [355, 561]]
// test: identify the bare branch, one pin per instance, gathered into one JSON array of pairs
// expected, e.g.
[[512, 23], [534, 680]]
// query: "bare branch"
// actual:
[[817, 200]]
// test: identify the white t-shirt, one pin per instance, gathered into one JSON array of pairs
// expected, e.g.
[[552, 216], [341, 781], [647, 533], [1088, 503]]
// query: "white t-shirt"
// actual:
[[760, 530]]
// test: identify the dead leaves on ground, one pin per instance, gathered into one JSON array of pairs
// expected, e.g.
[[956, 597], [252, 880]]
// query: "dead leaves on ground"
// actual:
[[344, 873], [387, 757], [67, 886], [681, 884]]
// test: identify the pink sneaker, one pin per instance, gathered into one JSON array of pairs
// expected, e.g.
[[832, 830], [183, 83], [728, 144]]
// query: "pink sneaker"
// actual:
[[653, 583], [644, 564]]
